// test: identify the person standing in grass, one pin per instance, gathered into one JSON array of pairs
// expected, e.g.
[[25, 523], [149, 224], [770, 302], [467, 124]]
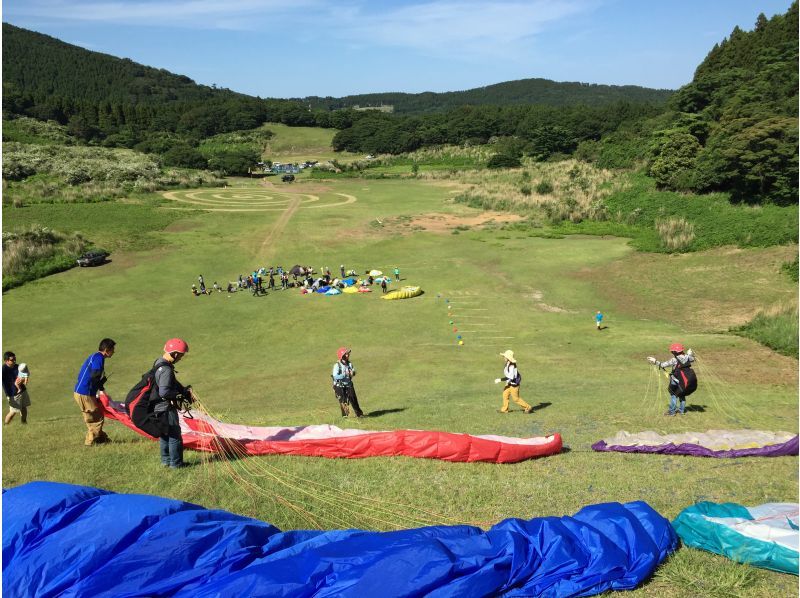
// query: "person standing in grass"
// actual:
[[682, 379], [513, 379], [91, 379], [169, 395], [343, 373], [598, 318], [396, 273], [21, 401], [10, 375]]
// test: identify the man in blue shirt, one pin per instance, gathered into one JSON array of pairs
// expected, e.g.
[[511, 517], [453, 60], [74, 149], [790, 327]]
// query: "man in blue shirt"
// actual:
[[91, 379]]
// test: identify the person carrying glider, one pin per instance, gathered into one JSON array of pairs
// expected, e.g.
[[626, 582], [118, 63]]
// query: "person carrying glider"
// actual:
[[682, 379], [343, 372], [513, 379], [92, 378], [168, 398]]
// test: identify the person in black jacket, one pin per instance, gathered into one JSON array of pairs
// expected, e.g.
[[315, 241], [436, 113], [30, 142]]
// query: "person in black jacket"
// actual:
[[168, 394]]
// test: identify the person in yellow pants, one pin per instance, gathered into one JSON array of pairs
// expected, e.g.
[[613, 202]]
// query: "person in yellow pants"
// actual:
[[513, 379]]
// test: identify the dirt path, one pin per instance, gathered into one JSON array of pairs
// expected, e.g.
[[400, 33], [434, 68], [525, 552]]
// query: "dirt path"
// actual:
[[279, 226]]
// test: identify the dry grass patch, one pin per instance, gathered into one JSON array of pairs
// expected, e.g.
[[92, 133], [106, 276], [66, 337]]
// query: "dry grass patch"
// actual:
[[712, 290]]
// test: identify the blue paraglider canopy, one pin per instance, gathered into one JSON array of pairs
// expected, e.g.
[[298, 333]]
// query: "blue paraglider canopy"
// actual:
[[60, 538]]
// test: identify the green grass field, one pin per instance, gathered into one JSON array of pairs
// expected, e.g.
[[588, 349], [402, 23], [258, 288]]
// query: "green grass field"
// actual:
[[267, 361], [298, 144]]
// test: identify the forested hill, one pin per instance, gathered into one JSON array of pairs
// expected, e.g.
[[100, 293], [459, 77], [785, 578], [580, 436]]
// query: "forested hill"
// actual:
[[524, 91], [116, 99], [41, 65], [735, 127]]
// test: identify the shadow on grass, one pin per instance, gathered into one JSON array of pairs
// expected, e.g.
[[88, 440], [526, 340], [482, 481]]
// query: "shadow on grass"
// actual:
[[540, 406], [384, 412], [698, 408]]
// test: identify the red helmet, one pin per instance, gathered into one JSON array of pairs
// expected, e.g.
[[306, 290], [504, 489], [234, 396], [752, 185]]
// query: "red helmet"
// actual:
[[176, 345], [342, 352], [676, 348]]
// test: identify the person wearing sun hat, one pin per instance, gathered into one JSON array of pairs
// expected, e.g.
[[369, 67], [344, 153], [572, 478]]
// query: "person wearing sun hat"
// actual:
[[513, 379]]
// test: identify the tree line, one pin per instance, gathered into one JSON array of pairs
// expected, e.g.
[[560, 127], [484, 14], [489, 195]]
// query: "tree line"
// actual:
[[733, 128]]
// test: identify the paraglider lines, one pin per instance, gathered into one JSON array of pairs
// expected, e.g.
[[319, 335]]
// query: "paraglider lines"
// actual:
[[243, 468]]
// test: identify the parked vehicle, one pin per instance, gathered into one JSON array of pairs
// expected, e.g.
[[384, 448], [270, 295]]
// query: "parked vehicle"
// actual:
[[93, 258], [287, 178]]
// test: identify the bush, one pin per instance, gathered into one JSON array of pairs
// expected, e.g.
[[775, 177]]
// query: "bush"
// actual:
[[36, 252], [544, 188], [790, 268], [185, 157], [675, 233], [503, 161], [778, 331]]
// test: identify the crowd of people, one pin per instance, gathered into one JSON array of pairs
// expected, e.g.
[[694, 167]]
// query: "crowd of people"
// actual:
[[268, 278]]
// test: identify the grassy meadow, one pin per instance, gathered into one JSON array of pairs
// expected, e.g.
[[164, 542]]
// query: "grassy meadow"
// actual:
[[267, 360]]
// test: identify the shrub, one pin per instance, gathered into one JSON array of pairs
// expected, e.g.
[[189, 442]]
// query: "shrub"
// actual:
[[503, 161], [790, 268], [675, 233], [544, 188], [36, 252], [777, 329]]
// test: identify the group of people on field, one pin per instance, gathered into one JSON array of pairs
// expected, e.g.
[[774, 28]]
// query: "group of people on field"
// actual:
[[262, 280]]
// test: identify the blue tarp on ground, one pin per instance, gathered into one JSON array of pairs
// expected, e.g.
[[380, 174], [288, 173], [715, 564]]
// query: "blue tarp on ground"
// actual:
[[60, 539]]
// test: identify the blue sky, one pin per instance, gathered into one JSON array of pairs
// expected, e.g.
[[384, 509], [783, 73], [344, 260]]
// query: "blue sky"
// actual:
[[295, 48]]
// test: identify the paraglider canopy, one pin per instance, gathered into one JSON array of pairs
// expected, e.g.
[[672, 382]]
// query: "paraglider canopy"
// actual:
[[297, 270]]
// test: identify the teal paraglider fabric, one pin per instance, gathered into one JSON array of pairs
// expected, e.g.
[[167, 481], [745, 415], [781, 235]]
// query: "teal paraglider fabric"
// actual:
[[764, 536], [65, 540]]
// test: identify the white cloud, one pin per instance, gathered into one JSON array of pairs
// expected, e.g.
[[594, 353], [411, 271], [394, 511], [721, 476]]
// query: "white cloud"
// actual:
[[459, 27], [201, 14]]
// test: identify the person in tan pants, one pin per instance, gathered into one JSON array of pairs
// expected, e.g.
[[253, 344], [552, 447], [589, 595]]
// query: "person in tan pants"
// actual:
[[513, 379], [91, 379]]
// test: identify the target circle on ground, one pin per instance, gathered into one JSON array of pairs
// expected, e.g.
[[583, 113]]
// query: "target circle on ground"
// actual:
[[251, 200]]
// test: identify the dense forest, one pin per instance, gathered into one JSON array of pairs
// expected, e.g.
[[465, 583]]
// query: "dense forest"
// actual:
[[524, 91], [734, 127]]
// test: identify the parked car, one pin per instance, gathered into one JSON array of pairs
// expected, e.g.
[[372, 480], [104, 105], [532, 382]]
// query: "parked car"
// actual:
[[287, 178], [93, 258]]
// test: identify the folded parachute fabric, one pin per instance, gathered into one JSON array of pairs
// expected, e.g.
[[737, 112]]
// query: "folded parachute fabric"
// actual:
[[350, 290], [60, 539], [713, 443], [375, 273], [403, 293], [203, 433], [764, 536], [333, 291]]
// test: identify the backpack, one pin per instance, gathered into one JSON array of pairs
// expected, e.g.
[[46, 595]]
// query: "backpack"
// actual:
[[141, 400], [682, 381]]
